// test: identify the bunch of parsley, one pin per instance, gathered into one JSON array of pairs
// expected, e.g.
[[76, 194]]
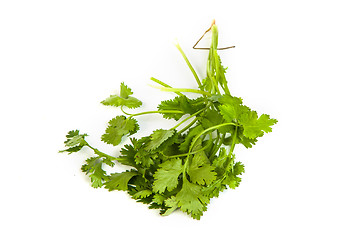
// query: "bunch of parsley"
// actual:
[[185, 166]]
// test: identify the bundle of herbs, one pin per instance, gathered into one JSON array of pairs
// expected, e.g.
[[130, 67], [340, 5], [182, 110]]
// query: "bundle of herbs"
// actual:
[[185, 166]]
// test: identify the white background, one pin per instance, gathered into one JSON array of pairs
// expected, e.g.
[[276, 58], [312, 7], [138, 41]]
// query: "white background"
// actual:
[[295, 60]]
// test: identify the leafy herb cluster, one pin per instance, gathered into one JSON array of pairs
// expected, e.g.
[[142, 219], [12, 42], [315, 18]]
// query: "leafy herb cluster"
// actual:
[[185, 166]]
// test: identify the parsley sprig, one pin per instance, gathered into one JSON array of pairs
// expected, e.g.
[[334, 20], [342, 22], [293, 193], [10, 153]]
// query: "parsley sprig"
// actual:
[[185, 166]]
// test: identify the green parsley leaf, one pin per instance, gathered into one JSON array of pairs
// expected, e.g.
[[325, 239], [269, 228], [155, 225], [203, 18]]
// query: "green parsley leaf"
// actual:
[[239, 168], [119, 181], [144, 158], [214, 189], [125, 91], [166, 177], [74, 141], [232, 180], [158, 137], [74, 138], [239, 138], [230, 100], [123, 100], [184, 146], [128, 153], [232, 112], [221, 163], [212, 118], [255, 127], [181, 103], [171, 204], [98, 175], [191, 199], [119, 127], [118, 101], [200, 171], [142, 194], [158, 198], [247, 142]]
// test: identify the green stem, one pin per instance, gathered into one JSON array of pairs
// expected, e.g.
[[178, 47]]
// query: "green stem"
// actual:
[[186, 163], [216, 149], [191, 153], [233, 142], [214, 70], [230, 160], [121, 160], [165, 85], [167, 89], [215, 143], [209, 129], [101, 154], [199, 135], [162, 111], [194, 121], [192, 115], [215, 84], [149, 112], [189, 64], [124, 111], [225, 87], [216, 182], [188, 126]]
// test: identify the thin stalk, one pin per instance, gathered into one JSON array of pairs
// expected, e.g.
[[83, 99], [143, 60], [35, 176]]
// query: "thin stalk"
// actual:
[[123, 161], [233, 142], [167, 89], [230, 158], [191, 153], [186, 163], [160, 111], [216, 142], [216, 149], [124, 111], [165, 85], [188, 126], [220, 73], [209, 129], [101, 154], [150, 112], [189, 64], [215, 84], [192, 115], [213, 60]]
